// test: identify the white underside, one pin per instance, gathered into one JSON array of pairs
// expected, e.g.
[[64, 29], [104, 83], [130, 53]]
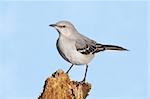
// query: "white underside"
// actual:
[[67, 46]]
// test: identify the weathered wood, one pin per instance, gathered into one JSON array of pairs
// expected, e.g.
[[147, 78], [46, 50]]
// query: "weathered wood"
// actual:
[[59, 86]]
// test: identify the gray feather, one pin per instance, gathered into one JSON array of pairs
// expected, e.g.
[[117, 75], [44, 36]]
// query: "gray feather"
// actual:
[[85, 46]]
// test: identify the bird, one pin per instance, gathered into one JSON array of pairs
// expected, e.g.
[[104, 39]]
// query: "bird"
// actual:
[[76, 48]]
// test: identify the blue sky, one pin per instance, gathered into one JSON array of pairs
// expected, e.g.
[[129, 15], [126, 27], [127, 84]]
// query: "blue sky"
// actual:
[[28, 52]]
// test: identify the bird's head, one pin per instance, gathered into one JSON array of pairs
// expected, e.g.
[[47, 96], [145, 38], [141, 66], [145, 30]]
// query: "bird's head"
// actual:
[[64, 27]]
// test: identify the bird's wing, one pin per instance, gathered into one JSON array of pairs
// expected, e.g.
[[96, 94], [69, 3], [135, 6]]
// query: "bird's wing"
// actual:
[[86, 46]]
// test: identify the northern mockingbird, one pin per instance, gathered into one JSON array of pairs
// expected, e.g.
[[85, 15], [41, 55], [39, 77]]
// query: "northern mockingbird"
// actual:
[[76, 48]]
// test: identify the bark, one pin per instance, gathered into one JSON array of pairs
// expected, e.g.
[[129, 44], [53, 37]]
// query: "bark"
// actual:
[[59, 86]]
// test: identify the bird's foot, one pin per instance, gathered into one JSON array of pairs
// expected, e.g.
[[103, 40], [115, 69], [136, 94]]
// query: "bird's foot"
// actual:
[[82, 82], [67, 72]]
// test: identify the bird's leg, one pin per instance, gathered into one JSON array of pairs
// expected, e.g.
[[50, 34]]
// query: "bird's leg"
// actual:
[[69, 69], [85, 74]]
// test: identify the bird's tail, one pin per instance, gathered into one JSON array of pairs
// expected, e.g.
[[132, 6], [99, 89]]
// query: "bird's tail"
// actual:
[[113, 47], [101, 47]]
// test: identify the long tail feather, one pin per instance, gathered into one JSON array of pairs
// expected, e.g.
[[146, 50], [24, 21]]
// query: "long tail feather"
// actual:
[[100, 47], [113, 47]]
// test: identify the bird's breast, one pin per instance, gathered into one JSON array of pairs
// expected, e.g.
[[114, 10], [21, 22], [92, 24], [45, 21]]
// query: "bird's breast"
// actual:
[[70, 53]]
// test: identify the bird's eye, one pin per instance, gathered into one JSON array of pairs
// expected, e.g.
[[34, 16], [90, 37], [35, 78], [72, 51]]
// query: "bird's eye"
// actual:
[[62, 26]]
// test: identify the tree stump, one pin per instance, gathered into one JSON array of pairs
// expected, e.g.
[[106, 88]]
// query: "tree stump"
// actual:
[[59, 86]]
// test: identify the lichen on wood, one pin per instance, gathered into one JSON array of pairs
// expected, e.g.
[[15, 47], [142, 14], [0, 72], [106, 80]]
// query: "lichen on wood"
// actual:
[[59, 86]]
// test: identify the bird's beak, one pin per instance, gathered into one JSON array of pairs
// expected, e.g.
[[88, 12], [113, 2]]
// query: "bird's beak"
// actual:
[[52, 25]]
